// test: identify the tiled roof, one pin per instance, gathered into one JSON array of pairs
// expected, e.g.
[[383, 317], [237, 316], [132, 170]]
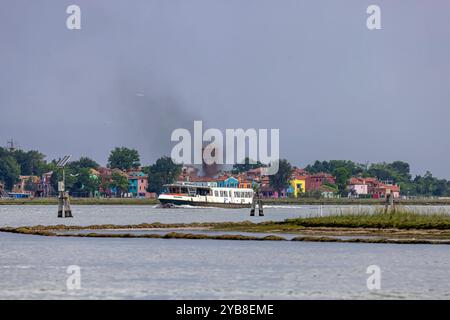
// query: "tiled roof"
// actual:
[[202, 179]]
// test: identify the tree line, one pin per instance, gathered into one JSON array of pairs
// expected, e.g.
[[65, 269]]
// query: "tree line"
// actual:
[[78, 175], [164, 170]]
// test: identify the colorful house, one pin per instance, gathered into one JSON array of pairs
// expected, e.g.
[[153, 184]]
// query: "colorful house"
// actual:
[[245, 184], [244, 181], [359, 186], [105, 180], [372, 187], [315, 181], [227, 182], [138, 184], [297, 186], [44, 187], [382, 189], [27, 186], [106, 175]]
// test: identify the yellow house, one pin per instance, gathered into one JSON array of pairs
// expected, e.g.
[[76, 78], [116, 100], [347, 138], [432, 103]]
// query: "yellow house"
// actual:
[[298, 185]]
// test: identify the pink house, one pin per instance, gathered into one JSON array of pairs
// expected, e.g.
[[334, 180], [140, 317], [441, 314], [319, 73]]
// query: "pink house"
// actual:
[[357, 187]]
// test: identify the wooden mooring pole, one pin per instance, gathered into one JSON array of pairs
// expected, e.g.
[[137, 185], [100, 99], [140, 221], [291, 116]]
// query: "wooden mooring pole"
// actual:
[[64, 210], [389, 205], [257, 201]]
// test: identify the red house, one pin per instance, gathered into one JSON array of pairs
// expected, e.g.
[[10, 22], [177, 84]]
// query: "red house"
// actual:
[[315, 181]]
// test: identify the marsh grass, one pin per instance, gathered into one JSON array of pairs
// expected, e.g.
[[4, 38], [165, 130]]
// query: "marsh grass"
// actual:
[[401, 218]]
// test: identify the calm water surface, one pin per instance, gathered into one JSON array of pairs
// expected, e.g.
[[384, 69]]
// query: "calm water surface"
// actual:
[[35, 267], [87, 215]]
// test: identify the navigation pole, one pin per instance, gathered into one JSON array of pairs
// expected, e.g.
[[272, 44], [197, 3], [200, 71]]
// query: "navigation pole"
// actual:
[[64, 210], [257, 201]]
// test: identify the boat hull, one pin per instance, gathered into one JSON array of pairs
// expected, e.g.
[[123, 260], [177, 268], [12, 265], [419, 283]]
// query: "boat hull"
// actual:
[[180, 202]]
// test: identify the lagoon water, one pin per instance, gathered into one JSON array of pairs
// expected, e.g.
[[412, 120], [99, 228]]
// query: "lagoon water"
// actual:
[[29, 215], [35, 267], [123, 214]]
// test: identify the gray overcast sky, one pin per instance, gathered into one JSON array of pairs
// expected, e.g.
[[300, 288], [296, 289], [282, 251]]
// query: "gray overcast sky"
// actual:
[[139, 69]]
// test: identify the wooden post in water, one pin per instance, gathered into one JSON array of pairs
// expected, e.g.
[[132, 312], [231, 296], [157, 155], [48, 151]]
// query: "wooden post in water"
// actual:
[[389, 205], [64, 210], [256, 200]]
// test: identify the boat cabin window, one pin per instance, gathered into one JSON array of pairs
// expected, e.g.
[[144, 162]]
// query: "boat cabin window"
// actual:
[[202, 192], [174, 189]]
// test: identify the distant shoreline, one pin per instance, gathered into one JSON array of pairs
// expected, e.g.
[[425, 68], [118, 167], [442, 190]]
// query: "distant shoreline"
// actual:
[[282, 201]]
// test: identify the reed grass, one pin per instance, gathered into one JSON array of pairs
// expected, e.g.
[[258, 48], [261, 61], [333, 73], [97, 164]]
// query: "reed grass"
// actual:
[[401, 218]]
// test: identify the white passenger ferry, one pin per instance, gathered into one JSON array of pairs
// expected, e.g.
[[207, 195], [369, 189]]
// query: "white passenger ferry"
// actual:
[[184, 193]]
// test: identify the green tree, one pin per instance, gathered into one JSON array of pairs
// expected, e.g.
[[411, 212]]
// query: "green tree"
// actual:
[[124, 159], [70, 179], [78, 175], [342, 176], [243, 167], [280, 180], [31, 162], [83, 162], [331, 166], [401, 170], [397, 171], [120, 182], [9, 170], [86, 181], [164, 171], [427, 185]]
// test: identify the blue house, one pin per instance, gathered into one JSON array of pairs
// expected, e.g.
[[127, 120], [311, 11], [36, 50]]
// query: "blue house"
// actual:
[[228, 182]]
